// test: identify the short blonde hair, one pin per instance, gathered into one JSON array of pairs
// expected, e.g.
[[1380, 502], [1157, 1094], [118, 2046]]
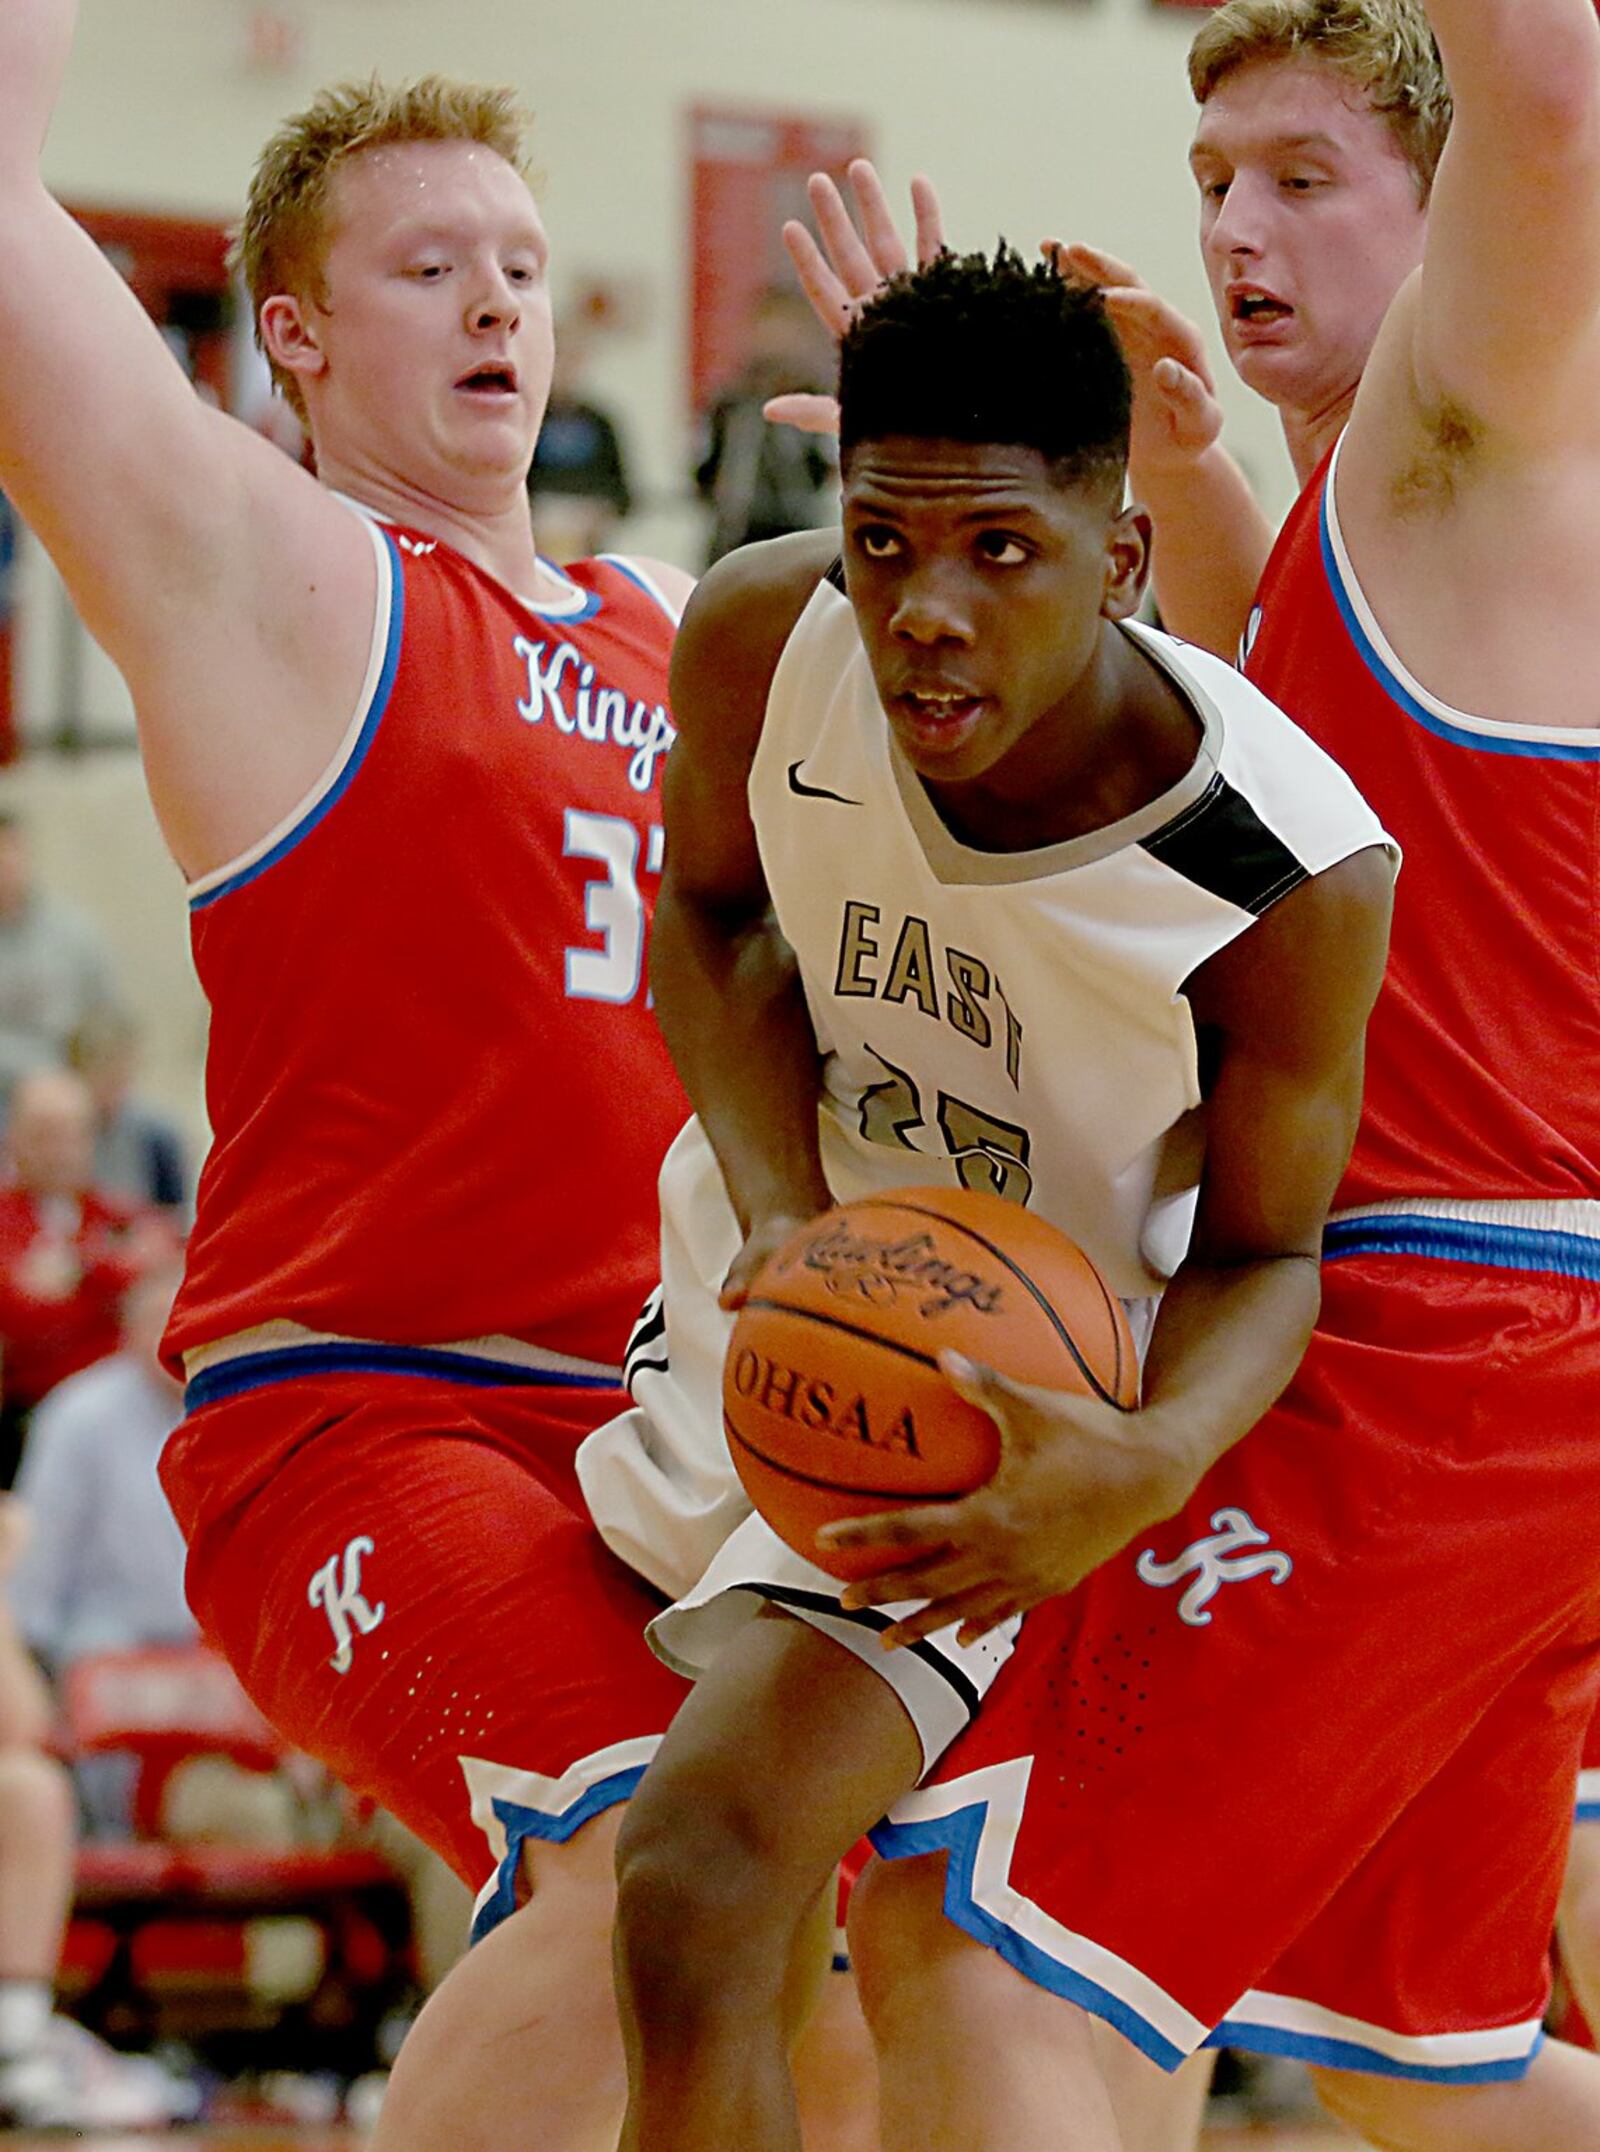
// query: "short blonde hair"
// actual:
[[281, 242], [1385, 48]]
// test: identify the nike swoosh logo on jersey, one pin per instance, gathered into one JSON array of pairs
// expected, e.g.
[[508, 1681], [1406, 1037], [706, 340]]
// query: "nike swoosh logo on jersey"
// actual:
[[815, 792]]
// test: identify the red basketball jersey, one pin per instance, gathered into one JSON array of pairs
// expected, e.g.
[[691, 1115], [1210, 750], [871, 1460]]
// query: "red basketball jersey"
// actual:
[[438, 1095], [1482, 1047]]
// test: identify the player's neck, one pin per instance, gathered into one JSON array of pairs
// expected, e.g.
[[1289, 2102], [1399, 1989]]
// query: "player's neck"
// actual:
[[497, 536], [1309, 435]]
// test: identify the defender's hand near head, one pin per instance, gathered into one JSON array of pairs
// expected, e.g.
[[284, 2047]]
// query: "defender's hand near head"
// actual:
[[849, 265], [1176, 415]]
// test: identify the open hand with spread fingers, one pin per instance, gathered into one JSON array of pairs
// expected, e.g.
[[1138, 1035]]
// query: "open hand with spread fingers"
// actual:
[[1176, 415], [850, 264], [1077, 1479]]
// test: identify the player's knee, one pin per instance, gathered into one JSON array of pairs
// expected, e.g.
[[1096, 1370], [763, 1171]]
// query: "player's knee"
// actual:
[[700, 1906]]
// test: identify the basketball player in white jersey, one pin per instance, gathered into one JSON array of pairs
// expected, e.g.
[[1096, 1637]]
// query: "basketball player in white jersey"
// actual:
[[1417, 296], [969, 880]]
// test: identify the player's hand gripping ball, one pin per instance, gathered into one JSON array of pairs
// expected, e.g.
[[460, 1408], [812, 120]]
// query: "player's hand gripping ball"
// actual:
[[833, 1398]]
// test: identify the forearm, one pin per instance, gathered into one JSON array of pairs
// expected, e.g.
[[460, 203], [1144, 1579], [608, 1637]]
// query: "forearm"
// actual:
[[1212, 539], [1227, 1340], [730, 1003]]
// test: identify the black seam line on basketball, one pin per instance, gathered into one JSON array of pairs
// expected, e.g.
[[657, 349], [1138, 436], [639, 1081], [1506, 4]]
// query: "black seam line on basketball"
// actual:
[[920, 1210], [851, 1330], [875, 1618], [1112, 1313], [917, 1495]]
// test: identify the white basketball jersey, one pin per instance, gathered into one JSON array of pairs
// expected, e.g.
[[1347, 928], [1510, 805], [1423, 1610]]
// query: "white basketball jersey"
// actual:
[[1017, 1021], [1014, 1021]]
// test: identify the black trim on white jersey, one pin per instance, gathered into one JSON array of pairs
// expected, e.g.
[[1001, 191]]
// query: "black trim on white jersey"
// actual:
[[650, 1330], [1222, 845], [835, 575], [790, 1595]]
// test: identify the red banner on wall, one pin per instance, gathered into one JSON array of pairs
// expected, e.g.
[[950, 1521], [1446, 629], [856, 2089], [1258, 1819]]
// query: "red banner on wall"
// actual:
[[748, 171]]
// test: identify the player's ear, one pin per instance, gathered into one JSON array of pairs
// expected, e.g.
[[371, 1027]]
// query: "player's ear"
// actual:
[[289, 337], [1127, 560]]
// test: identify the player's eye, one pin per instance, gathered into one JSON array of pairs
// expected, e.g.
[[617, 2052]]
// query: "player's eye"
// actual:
[[1001, 550], [876, 541]]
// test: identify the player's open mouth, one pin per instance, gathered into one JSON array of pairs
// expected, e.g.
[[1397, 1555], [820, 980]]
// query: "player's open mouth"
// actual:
[[1254, 308], [489, 381], [937, 719]]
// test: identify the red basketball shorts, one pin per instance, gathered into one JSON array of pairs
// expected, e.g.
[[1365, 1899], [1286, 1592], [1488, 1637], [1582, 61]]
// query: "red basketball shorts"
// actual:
[[1294, 1772], [414, 1594]]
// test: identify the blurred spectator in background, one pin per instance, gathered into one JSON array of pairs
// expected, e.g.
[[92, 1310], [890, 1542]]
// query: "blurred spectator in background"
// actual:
[[764, 481], [139, 1153], [103, 1570], [53, 2073], [578, 480], [54, 973], [68, 1251]]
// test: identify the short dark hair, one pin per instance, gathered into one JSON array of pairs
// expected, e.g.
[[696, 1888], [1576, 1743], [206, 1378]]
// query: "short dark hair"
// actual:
[[972, 349]]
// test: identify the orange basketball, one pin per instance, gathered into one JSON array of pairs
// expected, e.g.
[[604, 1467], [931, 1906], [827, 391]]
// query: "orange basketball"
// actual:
[[833, 1399]]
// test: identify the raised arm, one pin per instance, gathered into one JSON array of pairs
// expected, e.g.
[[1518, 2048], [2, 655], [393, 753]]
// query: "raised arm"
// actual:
[[726, 988], [174, 528], [1503, 323]]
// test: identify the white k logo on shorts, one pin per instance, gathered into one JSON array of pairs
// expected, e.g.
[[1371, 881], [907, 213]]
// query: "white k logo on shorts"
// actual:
[[342, 1600], [1216, 1561]]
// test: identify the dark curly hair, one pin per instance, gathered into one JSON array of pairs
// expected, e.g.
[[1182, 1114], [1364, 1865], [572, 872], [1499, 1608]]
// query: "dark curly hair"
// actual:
[[972, 349]]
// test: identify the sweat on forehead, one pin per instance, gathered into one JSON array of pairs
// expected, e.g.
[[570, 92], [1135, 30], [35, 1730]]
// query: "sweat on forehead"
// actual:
[[981, 349]]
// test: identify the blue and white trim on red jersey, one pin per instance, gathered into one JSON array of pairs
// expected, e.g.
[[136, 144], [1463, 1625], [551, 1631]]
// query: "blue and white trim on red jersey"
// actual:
[[637, 573], [1588, 1797], [383, 662], [511, 1806], [1282, 2025], [1560, 1238], [1542, 742], [974, 1821], [282, 1351]]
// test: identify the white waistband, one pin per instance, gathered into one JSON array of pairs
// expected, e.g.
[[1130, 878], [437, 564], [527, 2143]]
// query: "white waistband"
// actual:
[[1577, 1215], [278, 1337]]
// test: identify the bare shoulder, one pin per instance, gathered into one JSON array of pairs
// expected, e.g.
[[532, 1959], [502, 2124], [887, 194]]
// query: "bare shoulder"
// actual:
[[735, 626]]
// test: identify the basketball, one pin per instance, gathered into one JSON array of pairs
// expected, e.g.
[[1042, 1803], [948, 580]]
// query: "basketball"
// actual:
[[833, 1399]]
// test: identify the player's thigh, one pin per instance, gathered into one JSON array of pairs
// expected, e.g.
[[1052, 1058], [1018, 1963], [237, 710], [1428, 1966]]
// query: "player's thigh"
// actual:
[[413, 1600]]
